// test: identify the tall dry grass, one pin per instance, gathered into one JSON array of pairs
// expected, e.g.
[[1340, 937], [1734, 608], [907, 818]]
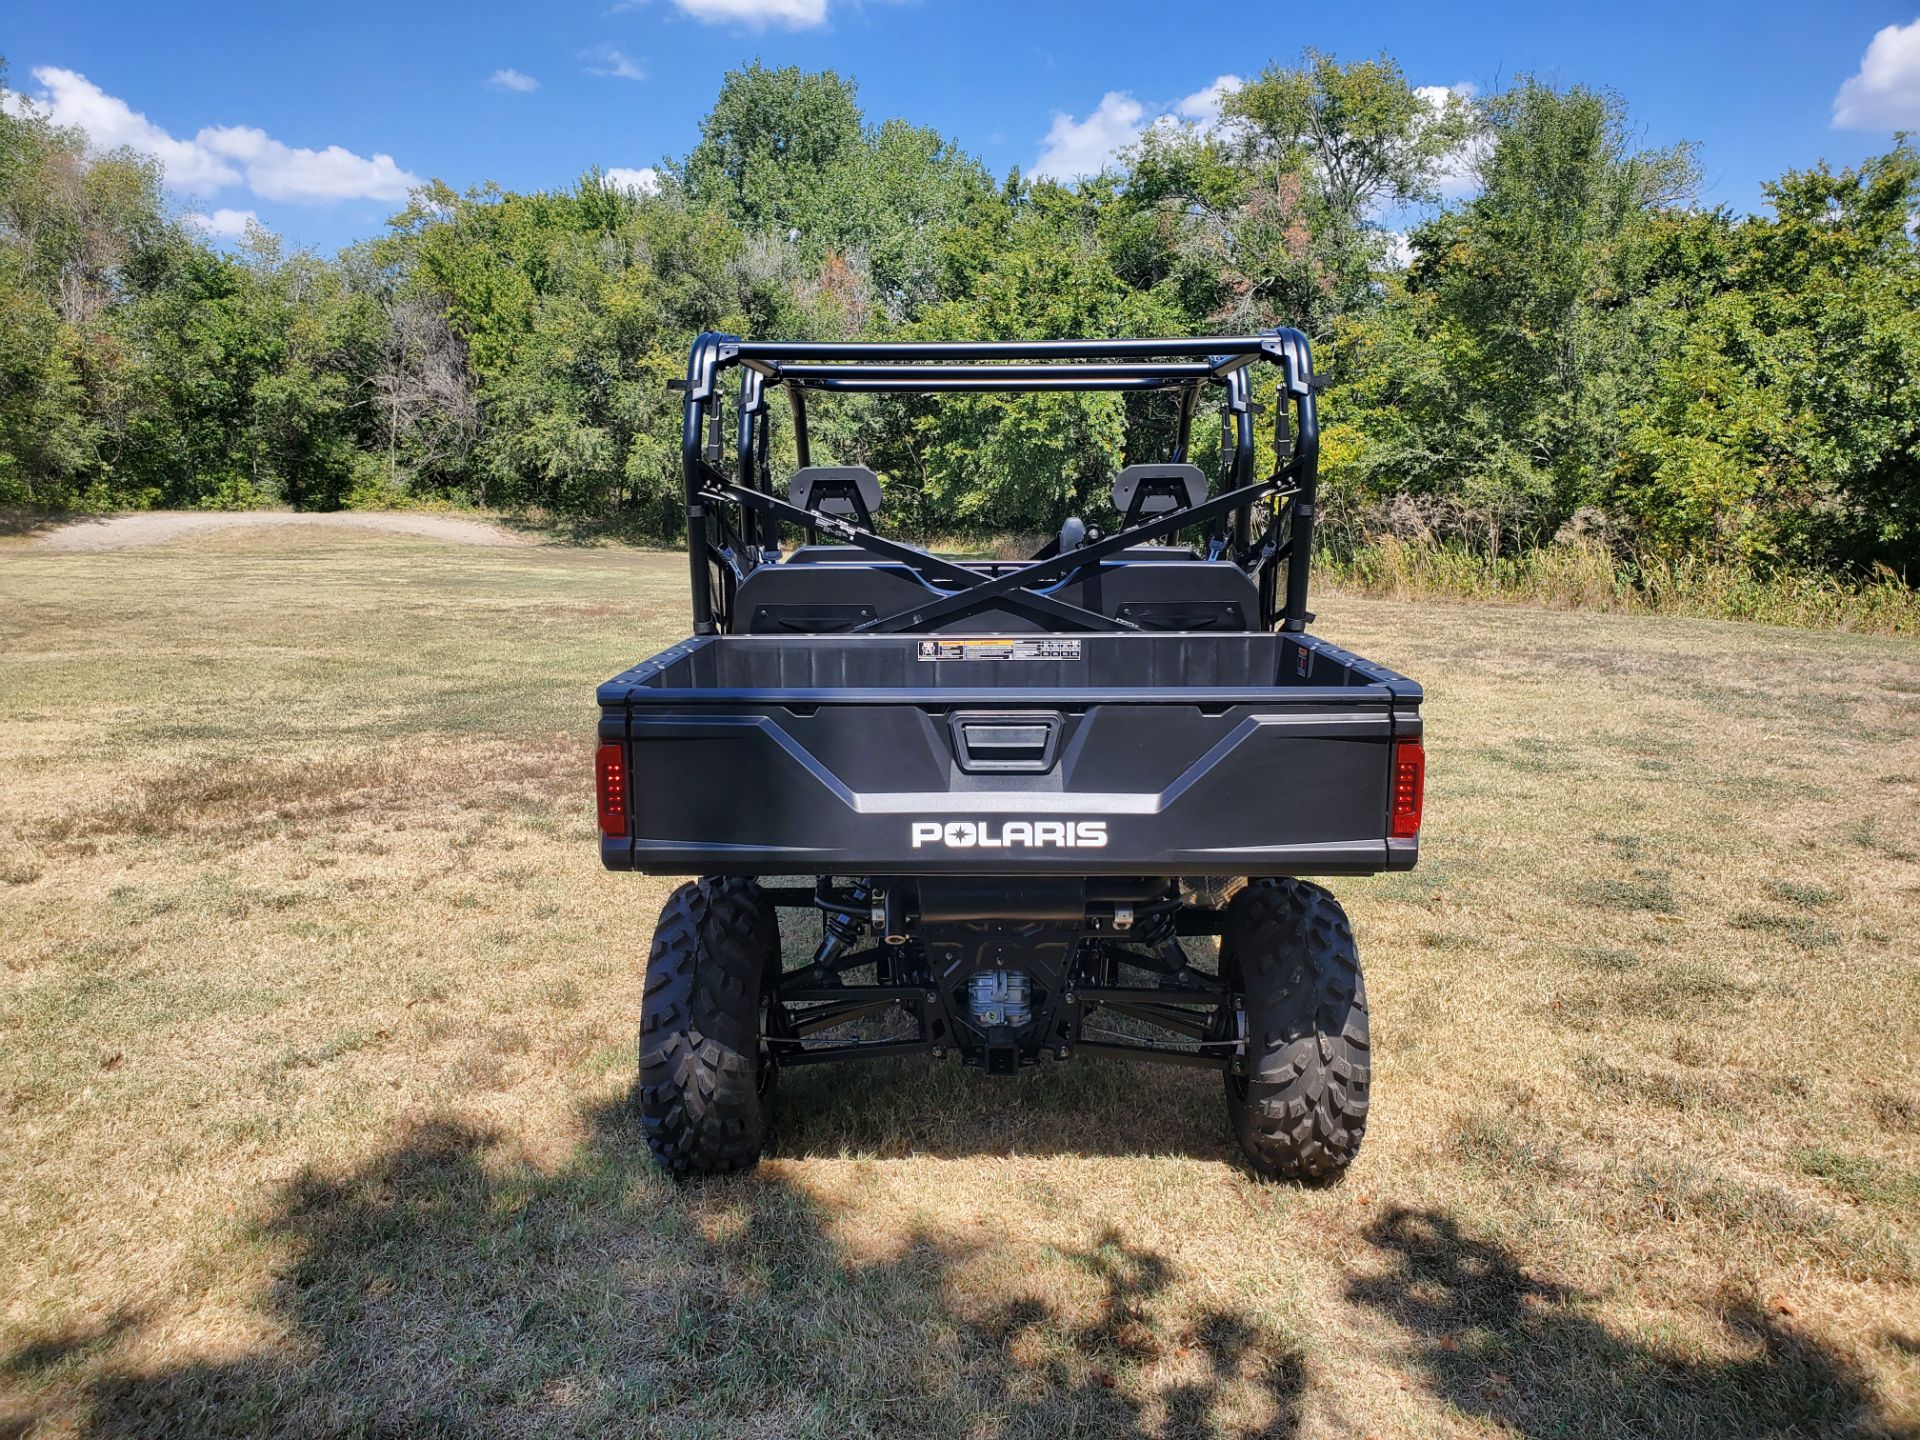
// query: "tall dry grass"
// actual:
[[1583, 575]]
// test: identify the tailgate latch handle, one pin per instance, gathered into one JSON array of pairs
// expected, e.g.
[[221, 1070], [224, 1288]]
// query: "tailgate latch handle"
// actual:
[[995, 741]]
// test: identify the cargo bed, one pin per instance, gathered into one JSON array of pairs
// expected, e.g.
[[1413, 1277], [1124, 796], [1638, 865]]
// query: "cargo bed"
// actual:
[[1238, 754]]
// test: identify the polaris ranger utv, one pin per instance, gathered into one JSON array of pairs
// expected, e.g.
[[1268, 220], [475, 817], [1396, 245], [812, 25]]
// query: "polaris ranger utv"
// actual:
[[1008, 791]]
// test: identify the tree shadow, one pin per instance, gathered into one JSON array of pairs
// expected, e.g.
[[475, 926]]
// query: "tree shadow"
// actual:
[[643, 528], [1085, 1108], [943, 1109], [448, 1287], [17, 521], [1496, 1342]]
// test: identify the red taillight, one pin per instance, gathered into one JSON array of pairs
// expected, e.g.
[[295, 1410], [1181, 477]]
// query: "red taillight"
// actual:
[[610, 766], [1409, 789]]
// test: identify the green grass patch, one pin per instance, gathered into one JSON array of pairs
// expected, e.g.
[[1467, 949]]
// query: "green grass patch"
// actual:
[[1642, 890], [1867, 1178]]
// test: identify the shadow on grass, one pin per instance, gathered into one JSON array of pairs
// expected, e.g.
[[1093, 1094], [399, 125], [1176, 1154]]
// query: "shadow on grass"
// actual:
[[447, 1288], [450, 1288], [1494, 1342], [946, 1110], [640, 531], [24, 522]]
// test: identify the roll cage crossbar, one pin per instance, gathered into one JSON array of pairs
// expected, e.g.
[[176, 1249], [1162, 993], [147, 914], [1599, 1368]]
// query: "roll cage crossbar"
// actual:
[[720, 553]]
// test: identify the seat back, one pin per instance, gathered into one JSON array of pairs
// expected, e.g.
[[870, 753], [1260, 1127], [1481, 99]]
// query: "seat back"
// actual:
[[1141, 490], [849, 490], [830, 590]]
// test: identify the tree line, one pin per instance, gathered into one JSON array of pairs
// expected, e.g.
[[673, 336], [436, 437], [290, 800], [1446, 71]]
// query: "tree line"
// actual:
[[1574, 347]]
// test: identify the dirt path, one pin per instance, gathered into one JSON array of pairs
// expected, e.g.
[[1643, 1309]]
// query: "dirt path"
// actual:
[[124, 532]]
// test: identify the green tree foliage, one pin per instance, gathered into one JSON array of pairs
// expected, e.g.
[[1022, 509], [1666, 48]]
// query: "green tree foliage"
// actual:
[[787, 155], [769, 140], [1577, 346], [1034, 458], [569, 312], [1275, 215], [1492, 382], [1325, 147], [1785, 420], [80, 238], [139, 367]]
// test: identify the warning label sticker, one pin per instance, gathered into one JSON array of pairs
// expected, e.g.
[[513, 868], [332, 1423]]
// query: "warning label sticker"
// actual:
[[1001, 647]]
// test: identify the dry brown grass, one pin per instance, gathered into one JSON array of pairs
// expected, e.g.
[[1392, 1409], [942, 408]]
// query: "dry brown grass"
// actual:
[[316, 1010]]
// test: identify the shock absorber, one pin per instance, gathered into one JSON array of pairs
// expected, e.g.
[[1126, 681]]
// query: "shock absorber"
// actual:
[[1154, 930], [841, 926]]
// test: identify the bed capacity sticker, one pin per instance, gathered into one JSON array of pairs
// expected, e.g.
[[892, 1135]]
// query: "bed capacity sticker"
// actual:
[[1001, 648]]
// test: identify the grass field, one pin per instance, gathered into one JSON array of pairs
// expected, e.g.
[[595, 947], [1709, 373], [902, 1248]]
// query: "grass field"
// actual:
[[316, 1018]]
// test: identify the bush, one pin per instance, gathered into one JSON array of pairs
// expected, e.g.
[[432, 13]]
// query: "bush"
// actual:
[[1582, 574]]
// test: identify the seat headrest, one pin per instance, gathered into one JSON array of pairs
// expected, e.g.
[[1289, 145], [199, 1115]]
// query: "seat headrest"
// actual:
[[833, 490], [1158, 488]]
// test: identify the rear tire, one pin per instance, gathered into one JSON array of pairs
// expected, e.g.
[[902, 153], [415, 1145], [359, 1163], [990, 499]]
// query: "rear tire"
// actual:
[[1212, 892], [1300, 1109], [704, 1074]]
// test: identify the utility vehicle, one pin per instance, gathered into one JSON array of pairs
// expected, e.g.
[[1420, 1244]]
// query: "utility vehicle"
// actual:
[[1007, 794]]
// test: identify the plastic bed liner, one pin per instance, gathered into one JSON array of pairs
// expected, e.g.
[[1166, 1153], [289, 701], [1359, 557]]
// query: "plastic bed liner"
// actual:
[[882, 668]]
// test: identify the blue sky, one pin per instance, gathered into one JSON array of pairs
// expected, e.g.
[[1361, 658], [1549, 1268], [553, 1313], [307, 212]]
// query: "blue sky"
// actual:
[[315, 117]]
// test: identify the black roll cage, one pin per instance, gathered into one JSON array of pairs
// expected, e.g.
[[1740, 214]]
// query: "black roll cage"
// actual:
[[720, 552]]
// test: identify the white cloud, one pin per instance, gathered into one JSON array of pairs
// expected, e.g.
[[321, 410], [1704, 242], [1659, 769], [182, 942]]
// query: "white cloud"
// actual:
[[1203, 106], [757, 14], [1460, 174], [1073, 148], [218, 156], [285, 172], [1399, 250], [68, 98], [511, 79], [1437, 96], [615, 64], [644, 181], [1885, 93], [228, 224]]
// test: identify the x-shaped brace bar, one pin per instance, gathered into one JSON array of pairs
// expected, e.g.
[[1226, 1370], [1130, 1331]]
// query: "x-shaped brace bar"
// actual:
[[932, 567], [977, 589], [984, 588]]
